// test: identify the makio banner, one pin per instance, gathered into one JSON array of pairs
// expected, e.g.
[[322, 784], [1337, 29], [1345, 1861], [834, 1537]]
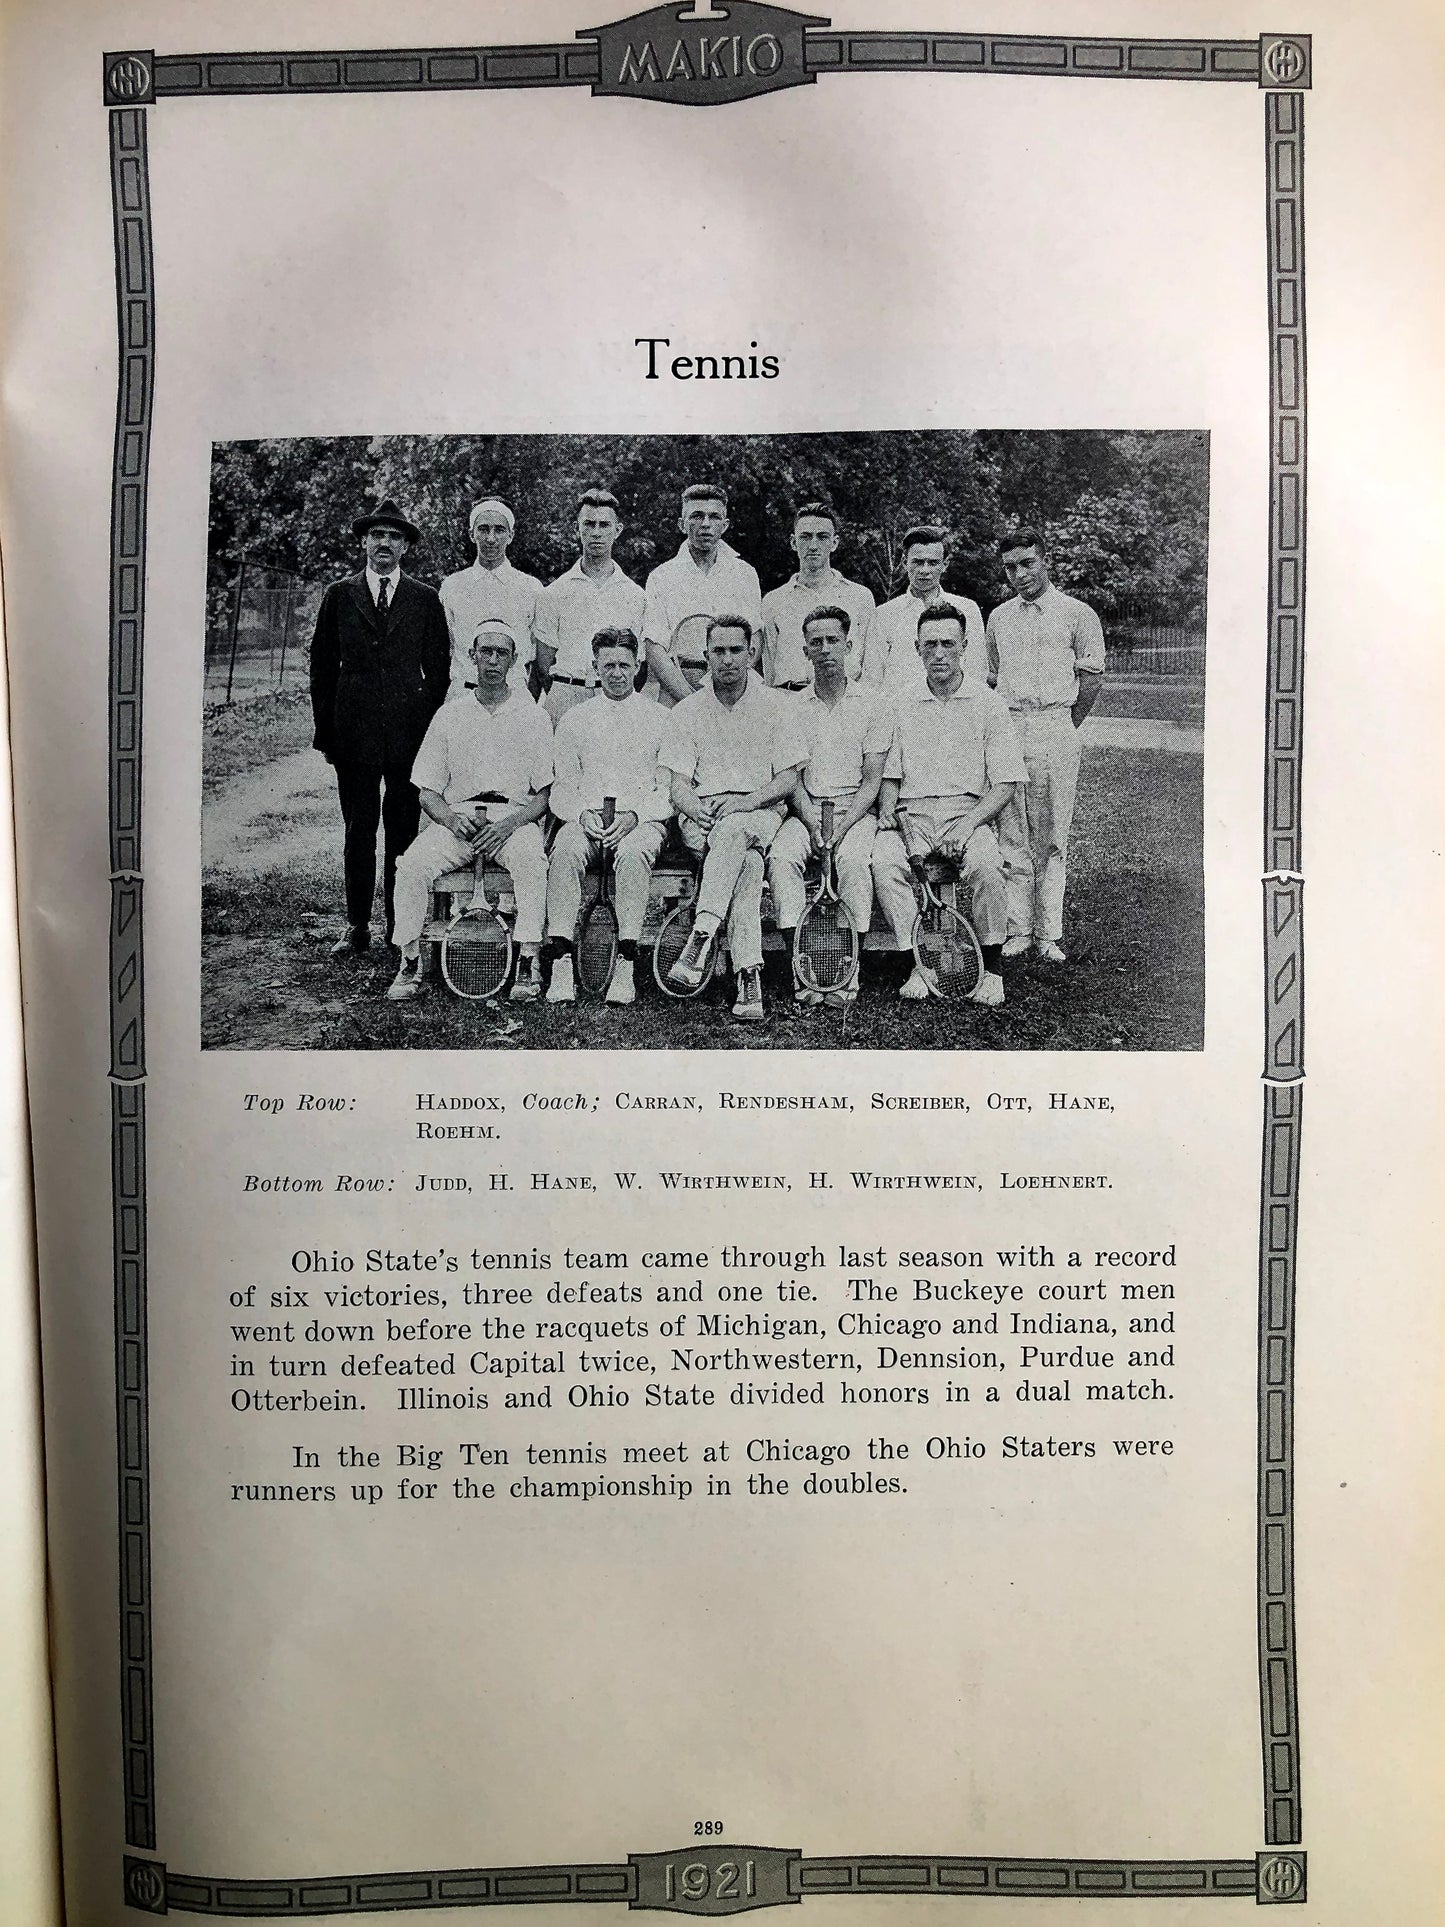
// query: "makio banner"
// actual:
[[704, 53]]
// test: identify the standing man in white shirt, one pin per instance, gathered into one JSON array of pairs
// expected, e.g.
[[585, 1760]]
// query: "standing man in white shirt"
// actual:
[[954, 763], [705, 578], [594, 594], [733, 750], [785, 661], [490, 588], [483, 771], [891, 661], [849, 731], [606, 747], [1046, 659]]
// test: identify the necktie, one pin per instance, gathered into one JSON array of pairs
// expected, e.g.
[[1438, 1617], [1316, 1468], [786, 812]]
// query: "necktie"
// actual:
[[382, 591]]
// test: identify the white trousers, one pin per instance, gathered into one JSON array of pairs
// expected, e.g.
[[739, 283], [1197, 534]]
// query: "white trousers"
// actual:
[[1034, 827], [574, 852], [436, 850], [788, 858], [980, 870], [732, 877]]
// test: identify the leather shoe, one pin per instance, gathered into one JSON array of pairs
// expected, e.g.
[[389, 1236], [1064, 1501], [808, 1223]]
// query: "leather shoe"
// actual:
[[357, 939]]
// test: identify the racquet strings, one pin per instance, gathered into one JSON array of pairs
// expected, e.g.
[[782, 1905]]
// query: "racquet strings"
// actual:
[[597, 947], [476, 955], [827, 945], [948, 951]]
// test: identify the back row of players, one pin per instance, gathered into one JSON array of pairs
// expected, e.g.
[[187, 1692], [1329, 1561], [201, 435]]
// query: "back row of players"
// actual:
[[811, 692]]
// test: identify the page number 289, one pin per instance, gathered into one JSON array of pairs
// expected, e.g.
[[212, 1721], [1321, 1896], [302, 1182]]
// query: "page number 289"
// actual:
[[706, 1828]]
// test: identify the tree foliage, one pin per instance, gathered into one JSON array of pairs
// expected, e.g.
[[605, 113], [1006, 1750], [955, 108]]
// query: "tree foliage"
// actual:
[[1126, 513]]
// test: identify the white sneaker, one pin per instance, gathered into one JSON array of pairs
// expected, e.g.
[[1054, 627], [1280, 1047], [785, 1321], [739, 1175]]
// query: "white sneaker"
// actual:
[[1018, 947], [1048, 952], [562, 989], [407, 981], [622, 987], [917, 989], [989, 991], [691, 967]]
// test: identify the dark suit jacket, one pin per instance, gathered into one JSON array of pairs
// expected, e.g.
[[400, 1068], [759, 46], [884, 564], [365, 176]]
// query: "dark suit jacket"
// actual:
[[374, 690]]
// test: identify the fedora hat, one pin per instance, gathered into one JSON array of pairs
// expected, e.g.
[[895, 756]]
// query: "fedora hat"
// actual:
[[388, 516]]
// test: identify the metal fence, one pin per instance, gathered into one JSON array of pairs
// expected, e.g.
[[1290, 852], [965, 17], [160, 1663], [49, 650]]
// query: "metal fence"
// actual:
[[262, 645], [1148, 644]]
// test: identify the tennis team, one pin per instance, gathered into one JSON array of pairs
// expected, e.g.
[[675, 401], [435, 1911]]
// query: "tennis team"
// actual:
[[550, 730]]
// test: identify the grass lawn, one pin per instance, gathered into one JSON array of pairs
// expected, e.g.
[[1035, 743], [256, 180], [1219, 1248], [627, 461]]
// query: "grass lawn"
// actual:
[[1134, 933], [238, 737], [1165, 699]]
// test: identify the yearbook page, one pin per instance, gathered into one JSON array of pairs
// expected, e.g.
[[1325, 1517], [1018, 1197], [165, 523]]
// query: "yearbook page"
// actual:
[[702, 1244]]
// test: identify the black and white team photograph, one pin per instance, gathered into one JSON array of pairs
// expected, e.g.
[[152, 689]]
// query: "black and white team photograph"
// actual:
[[833, 741]]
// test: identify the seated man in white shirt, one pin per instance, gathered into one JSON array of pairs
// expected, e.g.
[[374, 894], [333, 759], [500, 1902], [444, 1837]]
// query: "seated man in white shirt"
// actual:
[[484, 771], [733, 750], [954, 765], [849, 733], [606, 747]]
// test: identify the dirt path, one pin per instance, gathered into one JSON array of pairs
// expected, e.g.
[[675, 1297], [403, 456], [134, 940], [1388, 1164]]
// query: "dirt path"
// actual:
[[272, 818]]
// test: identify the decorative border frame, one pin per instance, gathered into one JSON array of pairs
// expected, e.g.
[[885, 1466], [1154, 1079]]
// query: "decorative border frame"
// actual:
[[1279, 65]]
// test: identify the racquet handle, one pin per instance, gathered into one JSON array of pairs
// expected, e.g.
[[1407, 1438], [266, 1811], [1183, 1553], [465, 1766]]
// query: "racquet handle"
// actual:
[[609, 811], [910, 847], [825, 811]]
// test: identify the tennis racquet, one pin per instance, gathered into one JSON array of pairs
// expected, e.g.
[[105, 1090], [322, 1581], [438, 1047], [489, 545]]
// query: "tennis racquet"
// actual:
[[945, 945], [689, 649], [476, 949], [671, 942], [825, 943], [597, 932]]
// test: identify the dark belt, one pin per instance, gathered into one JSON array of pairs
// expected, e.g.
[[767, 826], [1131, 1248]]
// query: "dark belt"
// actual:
[[793, 686], [572, 682], [690, 662]]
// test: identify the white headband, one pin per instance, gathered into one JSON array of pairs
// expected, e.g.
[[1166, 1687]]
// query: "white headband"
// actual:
[[491, 502], [490, 623]]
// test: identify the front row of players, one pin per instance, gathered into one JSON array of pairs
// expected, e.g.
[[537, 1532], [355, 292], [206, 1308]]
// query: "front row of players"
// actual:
[[745, 770]]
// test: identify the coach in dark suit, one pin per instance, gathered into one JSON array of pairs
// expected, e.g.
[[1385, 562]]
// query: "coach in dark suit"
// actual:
[[380, 661]]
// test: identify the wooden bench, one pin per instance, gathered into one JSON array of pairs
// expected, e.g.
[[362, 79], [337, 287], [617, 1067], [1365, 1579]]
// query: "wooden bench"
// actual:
[[674, 879]]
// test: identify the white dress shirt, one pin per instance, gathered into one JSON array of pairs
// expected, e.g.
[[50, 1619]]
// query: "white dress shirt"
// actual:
[[475, 594], [572, 609], [678, 588], [1039, 647], [732, 750], [955, 745], [605, 748], [784, 611], [469, 749], [892, 662]]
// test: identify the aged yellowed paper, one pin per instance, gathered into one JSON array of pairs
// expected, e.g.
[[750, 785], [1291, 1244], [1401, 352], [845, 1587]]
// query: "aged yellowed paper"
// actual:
[[600, 1454]]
